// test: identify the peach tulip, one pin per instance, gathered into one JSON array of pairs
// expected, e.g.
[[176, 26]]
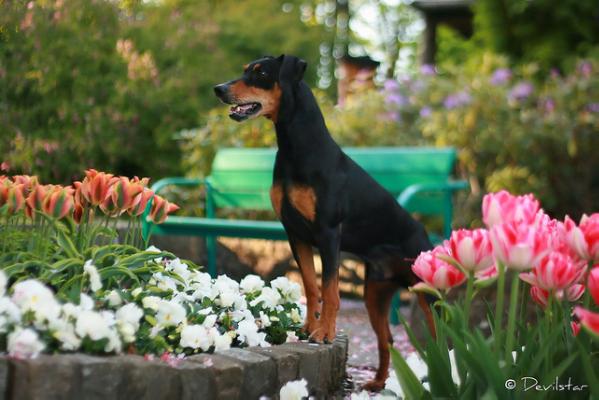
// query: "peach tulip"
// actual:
[[124, 193], [161, 208], [140, 202], [36, 198], [95, 186], [15, 198], [59, 202]]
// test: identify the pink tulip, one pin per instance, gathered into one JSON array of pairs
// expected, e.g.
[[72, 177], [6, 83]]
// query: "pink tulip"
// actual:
[[589, 320], [575, 328], [554, 272], [435, 272], [472, 249], [539, 296], [503, 207], [593, 283], [584, 238], [574, 292], [487, 273], [517, 245]]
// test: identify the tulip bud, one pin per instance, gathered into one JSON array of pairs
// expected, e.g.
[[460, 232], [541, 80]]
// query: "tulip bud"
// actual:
[[161, 208]]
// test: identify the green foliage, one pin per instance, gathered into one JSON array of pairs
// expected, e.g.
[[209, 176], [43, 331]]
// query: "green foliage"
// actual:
[[103, 84]]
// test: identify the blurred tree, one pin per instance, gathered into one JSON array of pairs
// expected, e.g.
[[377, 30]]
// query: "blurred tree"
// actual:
[[106, 84]]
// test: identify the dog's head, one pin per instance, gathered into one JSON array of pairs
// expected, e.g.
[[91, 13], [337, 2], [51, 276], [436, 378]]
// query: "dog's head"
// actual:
[[264, 85]]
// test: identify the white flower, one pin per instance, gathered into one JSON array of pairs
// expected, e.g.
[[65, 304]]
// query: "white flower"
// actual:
[[93, 325], [70, 310], [247, 332], [294, 390], [151, 302], [227, 298], [270, 297], [251, 283], [170, 313], [3, 281], [153, 249], [127, 318], [9, 314], [95, 282], [225, 284], [179, 268], [222, 342], [136, 292], [64, 332], [114, 298], [165, 282], [291, 337], [264, 319], [295, 316], [31, 295], [24, 343], [196, 337], [114, 342], [209, 321], [86, 303], [291, 291], [392, 384]]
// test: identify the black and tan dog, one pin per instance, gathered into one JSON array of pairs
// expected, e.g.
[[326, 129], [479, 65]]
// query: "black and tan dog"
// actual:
[[326, 201]]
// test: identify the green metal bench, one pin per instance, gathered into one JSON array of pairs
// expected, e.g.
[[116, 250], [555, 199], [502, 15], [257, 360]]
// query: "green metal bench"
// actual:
[[420, 178]]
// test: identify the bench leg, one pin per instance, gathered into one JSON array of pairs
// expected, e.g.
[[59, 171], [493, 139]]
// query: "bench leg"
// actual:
[[393, 313], [211, 254]]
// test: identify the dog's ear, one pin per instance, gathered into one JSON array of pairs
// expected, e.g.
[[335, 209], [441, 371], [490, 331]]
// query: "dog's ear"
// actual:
[[292, 69]]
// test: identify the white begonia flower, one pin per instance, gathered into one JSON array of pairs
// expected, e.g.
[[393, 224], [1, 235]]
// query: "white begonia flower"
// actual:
[[90, 269], [165, 282], [241, 315], [9, 314], [3, 282], [31, 295], [209, 321], [196, 337], [114, 298], [264, 319], [200, 281], [70, 310], [251, 283], [295, 316], [179, 268], [222, 342], [64, 332], [291, 337], [114, 342], [86, 303], [153, 249], [170, 313], [269, 297], [291, 291], [136, 292], [93, 325], [127, 319], [225, 284], [294, 390], [24, 343], [227, 298], [151, 302]]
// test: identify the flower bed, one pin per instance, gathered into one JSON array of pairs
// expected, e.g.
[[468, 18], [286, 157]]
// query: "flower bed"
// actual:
[[558, 350], [66, 285]]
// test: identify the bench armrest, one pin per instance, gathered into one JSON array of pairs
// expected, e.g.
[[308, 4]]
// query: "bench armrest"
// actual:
[[176, 181], [448, 188], [412, 190]]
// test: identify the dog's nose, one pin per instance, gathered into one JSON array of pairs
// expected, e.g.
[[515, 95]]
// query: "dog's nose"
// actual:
[[220, 90]]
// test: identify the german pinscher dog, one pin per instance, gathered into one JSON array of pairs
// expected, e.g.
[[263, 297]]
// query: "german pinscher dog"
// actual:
[[326, 201]]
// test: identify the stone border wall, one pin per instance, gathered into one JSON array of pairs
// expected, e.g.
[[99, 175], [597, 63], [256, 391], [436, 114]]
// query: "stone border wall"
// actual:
[[232, 374]]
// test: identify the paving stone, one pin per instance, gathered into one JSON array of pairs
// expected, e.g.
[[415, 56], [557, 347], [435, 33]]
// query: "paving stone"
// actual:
[[148, 380], [226, 372], [287, 363], [259, 372], [45, 377]]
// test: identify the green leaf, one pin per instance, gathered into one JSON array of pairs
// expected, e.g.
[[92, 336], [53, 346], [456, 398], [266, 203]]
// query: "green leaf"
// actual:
[[410, 384]]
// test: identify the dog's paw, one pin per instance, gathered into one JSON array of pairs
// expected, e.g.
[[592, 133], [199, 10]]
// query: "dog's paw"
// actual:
[[324, 332], [375, 385]]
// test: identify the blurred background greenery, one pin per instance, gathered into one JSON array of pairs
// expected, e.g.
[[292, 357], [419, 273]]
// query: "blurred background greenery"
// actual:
[[126, 86]]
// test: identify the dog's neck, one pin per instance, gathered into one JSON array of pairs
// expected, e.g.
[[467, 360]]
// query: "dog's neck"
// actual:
[[300, 126]]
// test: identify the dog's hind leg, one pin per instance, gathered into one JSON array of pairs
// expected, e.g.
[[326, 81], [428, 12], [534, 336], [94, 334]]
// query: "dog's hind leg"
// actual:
[[378, 297], [426, 308], [304, 256]]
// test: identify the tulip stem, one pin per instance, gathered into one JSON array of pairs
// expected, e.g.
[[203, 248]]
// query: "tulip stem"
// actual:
[[469, 295], [499, 304], [511, 325]]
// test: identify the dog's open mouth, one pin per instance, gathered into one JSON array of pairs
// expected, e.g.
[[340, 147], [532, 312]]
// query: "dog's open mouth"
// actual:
[[242, 111]]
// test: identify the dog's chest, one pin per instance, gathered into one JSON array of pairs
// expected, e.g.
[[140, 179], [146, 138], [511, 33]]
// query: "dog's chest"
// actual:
[[299, 197]]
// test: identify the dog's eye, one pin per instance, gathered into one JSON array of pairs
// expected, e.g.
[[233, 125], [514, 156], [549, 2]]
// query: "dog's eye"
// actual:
[[262, 74]]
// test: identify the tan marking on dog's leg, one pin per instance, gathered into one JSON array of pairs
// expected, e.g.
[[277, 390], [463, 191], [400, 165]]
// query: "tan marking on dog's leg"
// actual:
[[276, 198], [305, 256], [303, 199]]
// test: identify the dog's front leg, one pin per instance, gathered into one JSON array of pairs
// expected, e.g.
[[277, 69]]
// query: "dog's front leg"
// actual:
[[328, 243], [304, 256]]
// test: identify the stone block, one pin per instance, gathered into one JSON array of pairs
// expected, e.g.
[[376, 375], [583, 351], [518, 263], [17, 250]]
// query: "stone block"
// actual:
[[227, 375], [286, 361], [259, 372]]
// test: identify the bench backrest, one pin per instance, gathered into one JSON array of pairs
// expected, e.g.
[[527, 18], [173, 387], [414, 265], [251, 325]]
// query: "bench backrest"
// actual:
[[241, 177]]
